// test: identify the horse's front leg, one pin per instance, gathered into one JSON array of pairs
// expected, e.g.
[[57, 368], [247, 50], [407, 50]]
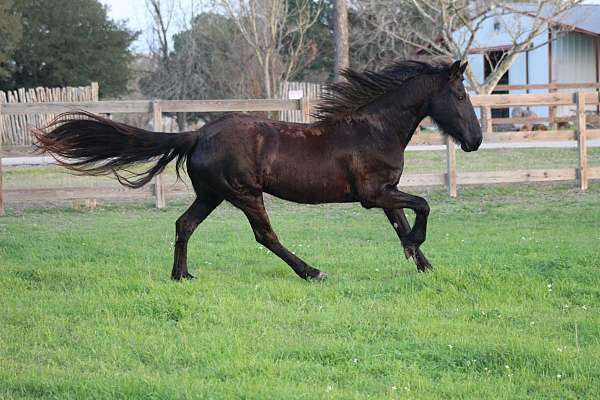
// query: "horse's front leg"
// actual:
[[389, 197], [398, 219]]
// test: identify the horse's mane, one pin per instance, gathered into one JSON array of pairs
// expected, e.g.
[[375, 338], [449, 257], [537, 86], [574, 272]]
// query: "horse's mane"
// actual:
[[358, 89]]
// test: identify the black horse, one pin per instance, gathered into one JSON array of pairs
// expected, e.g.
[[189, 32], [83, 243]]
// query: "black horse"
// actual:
[[353, 153]]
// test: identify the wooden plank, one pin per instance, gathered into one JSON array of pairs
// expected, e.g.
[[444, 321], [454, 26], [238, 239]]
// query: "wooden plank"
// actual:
[[581, 141], [159, 189], [17, 151], [451, 167], [422, 180], [528, 136], [509, 100], [144, 106], [543, 86], [542, 120], [229, 105], [1, 191], [426, 139], [594, 173], [593, 134], [16, 196], [306, 109], [98, 107], [54, 194], [488, 177], [591, 98], [94, 90], [529, 120], [1, 119]]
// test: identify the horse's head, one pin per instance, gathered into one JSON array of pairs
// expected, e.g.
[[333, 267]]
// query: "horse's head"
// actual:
[[452, 111]]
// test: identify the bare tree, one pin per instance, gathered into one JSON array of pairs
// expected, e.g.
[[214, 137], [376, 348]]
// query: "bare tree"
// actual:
[[162, 13], [340, 33], [276, 32], [206, 59], [376, 30], [450, 28]]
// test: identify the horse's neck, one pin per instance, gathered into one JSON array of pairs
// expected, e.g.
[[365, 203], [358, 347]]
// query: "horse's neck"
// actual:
[[398, 122], [398, 114]]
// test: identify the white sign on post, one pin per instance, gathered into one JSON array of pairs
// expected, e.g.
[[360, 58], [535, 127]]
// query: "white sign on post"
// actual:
[[295, 94]]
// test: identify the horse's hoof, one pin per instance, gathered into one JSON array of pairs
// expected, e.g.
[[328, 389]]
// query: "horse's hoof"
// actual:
[[410, 251], [424, 267], [185, 275], [423, 264], [321, 276]]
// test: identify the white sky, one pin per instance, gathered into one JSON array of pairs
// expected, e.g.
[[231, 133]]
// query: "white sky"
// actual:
[[132, 10], [138, 17], [136, 14]]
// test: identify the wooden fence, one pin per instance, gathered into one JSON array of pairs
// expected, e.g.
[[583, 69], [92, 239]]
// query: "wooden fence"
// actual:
[[582, 173], [307, 91], [14, 129]]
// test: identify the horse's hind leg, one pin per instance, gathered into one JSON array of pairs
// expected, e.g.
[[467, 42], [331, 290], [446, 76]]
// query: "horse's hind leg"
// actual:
[[398, 219], [185, 226], [254, 209]]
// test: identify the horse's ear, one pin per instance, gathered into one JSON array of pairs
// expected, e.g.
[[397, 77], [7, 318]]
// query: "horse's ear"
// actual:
[[456, 70], [463, 67]]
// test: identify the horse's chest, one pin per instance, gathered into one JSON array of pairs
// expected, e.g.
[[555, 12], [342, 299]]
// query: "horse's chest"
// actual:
[[378, 169]]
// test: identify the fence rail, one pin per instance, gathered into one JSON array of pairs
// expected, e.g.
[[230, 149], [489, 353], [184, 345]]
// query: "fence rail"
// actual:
[[14, 126], [550, 86], [452, 178]]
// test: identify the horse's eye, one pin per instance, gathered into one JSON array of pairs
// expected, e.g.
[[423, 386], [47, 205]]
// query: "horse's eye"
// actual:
[[461, 97]]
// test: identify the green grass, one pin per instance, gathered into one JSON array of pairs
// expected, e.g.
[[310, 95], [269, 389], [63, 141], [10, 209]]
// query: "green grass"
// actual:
[[512, 309]]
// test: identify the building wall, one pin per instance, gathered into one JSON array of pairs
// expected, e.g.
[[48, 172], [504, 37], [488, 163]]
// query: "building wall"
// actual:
[[537, 61], [488, 37], [476, 63], [574, 58], [574, 61]]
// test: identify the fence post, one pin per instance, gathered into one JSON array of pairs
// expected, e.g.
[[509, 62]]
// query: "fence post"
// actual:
[[1, 192], [306, 108], [451, 170], [159, 189], [486, 116], [94, 91], [581, 140]]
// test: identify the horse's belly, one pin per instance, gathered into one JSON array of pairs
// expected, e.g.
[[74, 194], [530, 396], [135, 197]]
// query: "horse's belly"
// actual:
[[303, 185]]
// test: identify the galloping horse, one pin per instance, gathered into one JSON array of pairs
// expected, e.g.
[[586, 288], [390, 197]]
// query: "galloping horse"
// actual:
[[354, 152]]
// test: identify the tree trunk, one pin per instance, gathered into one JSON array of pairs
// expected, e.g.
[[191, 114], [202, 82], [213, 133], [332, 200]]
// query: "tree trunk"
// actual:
[[340, 32], [267, 75], [181, 125]]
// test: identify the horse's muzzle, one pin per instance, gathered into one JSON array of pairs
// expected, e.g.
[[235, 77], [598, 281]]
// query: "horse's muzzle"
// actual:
[[471, 146]]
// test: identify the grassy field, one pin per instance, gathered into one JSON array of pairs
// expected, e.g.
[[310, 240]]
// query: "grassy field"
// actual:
[[512, 309]]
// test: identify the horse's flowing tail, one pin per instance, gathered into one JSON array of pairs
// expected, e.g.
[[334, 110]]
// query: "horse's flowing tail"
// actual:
[[93, 145]]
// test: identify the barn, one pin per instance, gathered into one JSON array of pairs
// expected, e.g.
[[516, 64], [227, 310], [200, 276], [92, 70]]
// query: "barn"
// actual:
[[563, 57]]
